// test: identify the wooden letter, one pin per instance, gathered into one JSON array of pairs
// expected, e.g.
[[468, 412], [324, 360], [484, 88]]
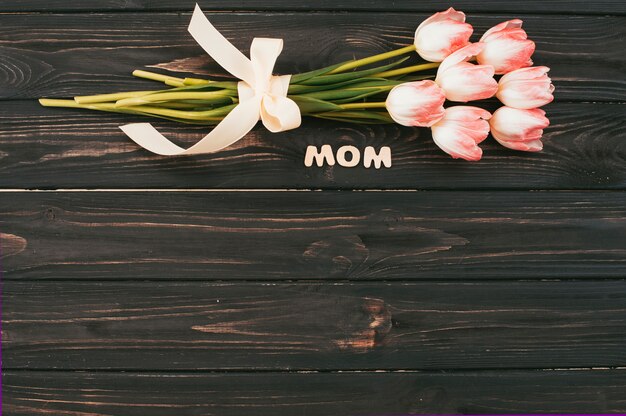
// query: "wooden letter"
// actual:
[[354, 160], [326, 153], [383, 157]]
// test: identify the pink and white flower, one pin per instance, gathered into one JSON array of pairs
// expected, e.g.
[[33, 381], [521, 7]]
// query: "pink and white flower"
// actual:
[[441, 34], [418, 104], [526, 88], [460, 131], [462, 81], [507, 47], [519, 129]]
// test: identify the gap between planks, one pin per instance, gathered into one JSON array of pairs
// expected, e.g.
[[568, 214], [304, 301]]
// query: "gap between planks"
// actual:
[[307, 371], [299, 11], [182, 190]]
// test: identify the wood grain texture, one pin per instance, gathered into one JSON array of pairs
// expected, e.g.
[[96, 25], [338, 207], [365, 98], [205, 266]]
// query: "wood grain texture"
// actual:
[[314, 394], [282, 326], [61, 55], [314, 235], [305, 303], [42, 148], [430, 6]]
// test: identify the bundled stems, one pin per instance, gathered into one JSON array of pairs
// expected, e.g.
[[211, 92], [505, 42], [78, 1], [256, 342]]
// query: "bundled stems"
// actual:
[[338, 92]]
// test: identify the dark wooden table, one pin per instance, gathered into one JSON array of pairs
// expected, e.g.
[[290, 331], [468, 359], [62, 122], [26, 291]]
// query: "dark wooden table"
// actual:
[[243, 283]]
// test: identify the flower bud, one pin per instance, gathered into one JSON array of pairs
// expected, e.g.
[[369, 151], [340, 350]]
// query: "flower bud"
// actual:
[[441, 34], [462, 81], [506, 47], [519, 129], [417, 103], [526, 88], [460, 131]]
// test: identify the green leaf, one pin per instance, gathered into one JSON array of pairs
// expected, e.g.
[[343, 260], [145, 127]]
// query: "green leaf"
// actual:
[[298, 78], [374, 82], [181, 120], [227, 85], [309, 105], [332, 95], [360, 82], [359, 97], [336, 78], [400, 79], [358, 116]]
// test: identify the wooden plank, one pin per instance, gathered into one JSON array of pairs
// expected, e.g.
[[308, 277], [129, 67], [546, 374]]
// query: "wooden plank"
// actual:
[[341, 326], [430, 6], [44, 148], [313, 235], [75, 54], [312, 394]]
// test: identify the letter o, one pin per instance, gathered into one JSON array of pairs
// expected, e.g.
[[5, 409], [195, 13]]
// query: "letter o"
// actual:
[[341, 156]]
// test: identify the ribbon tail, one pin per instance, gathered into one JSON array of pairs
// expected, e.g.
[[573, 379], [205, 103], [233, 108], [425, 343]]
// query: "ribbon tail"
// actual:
[[219, 48], [232, 128]]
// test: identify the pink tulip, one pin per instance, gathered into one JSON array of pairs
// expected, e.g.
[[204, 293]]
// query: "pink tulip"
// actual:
[[460, 131], [417, 103], [526, 88], [462, 81], [519, 129], [506, 47], [441, 34]]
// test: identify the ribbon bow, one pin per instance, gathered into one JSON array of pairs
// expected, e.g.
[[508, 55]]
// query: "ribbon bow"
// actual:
[[261, 94]]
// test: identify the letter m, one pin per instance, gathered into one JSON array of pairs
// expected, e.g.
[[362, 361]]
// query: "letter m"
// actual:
[[325, 154], [383, 157]]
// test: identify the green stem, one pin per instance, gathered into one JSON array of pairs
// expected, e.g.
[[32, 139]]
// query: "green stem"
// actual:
[[167, 79], [371, 59], [208, 115], [196, 81], [355, 106], [173, 96], [407, 70], [103, 98], [51, 102]]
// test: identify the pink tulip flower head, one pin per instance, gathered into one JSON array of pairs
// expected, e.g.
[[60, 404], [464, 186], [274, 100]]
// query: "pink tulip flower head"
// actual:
[[526, 88], [462, 81], [507, 47], [441, 34], [418, 104], [519, 129], [460, 131]]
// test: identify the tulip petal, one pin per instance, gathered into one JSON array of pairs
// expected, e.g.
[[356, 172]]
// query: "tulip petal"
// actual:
[[507, 47], [529, 146], [438, 40], [506, 54], [519, 129], [418, 104], [449, 14], [509, 24], [465, 82], [456, 145], [462, 55], [527, 73], [526, 88], [460, 131], [441, 34]]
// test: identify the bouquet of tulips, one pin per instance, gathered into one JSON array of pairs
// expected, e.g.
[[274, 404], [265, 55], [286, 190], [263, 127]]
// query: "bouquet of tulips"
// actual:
[[456, 71]]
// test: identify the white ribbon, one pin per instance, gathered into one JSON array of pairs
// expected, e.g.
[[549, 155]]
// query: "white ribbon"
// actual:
[[261, 94]]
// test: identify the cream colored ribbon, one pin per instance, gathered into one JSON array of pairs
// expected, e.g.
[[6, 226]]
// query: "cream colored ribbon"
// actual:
[[261, 95]]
